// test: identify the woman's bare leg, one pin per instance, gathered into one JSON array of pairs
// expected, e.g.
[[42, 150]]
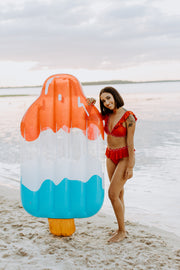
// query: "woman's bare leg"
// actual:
[[117, 200], [121, 197], [110, 169]]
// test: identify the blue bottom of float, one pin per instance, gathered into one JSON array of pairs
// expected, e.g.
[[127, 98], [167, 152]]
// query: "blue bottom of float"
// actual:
[[68, 199]]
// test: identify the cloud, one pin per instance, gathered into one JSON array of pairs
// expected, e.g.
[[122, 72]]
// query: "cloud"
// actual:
[[87, 34]]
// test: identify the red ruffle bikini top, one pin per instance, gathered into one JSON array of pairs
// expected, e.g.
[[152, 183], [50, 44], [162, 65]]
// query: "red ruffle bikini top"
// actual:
[[118, 130]]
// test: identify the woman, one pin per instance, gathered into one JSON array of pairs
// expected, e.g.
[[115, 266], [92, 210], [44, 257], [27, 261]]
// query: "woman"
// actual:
[[120, 128]]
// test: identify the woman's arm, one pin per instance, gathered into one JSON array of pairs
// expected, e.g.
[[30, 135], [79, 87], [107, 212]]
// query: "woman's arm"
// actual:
[[131, 124]]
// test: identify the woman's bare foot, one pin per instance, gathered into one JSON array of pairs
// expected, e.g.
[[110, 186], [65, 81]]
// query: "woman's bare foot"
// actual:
[[112, 233], [117, 237]]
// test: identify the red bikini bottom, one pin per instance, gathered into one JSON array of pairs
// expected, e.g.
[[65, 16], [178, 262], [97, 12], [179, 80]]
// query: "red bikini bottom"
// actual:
[[116, 154]]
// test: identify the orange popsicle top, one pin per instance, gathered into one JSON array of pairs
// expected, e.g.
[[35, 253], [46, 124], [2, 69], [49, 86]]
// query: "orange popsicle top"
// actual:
[[61, 104]]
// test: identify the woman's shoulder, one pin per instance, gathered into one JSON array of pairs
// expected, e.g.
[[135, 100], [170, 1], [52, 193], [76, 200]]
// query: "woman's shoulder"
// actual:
[[127, 114]]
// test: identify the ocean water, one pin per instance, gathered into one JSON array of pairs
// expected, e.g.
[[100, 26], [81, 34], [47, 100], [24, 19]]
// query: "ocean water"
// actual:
[[152, 195]]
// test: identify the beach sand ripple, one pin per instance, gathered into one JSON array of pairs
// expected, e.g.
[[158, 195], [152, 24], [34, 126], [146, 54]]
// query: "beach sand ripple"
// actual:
[[26, 243]]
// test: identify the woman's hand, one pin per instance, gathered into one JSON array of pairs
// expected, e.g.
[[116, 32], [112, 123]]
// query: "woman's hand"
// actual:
[[91, 101], [128, 173]]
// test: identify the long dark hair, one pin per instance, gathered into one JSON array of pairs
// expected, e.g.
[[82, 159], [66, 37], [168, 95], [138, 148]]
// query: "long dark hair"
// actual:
[[117, 98]]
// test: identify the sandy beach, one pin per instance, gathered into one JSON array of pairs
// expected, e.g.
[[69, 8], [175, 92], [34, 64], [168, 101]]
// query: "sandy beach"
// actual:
[[26, 242], [54, 144]]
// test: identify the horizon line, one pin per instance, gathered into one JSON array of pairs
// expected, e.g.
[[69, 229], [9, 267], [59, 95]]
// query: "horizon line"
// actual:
[[98, 83]]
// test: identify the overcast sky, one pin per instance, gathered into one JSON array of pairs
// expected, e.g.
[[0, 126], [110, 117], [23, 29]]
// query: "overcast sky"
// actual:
[[94, 40]]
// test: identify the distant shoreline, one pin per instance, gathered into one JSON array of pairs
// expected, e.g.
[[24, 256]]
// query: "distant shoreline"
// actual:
[[20, 95], [109, 82], [124, 82]]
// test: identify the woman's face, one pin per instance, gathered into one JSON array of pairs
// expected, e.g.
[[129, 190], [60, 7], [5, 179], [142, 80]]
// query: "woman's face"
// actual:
[[108, 100]]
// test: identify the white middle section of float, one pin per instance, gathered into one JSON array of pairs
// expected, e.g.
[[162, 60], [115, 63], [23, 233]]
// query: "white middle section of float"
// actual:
[[60, 155]]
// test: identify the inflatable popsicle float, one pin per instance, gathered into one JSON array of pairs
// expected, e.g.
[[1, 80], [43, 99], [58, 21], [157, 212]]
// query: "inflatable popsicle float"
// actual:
[[62, 151]]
